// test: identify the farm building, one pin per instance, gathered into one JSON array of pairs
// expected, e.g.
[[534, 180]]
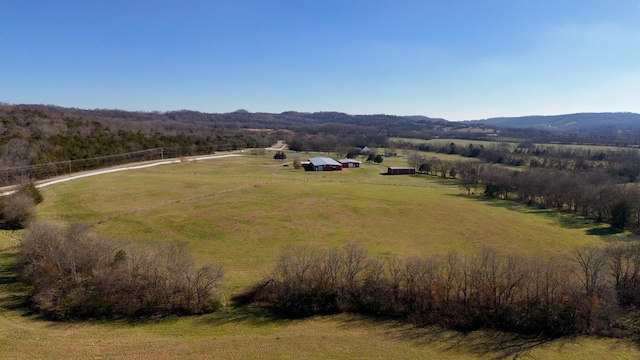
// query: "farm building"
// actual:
[[401, 170], [349, 163], [324, 164]]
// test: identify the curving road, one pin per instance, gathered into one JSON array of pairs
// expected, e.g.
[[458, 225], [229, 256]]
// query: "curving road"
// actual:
[[134, 166]]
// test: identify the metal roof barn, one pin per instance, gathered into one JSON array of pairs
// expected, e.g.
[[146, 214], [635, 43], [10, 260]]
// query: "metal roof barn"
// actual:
[[324, 164], [349, 163]]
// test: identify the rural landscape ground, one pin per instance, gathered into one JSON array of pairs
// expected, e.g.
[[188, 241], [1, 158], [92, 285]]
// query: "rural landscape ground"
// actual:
[[242, 212]]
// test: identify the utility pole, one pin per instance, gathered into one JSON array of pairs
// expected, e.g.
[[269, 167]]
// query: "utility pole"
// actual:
[[161, 153], [69, 163]]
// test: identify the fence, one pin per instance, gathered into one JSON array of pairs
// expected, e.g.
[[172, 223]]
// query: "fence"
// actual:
[[30, 173]]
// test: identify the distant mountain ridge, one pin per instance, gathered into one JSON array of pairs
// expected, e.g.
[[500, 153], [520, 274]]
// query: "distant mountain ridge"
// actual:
[[579, 123]]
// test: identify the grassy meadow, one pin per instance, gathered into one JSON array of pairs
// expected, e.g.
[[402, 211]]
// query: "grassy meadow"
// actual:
[[242, 212], [508, 142]]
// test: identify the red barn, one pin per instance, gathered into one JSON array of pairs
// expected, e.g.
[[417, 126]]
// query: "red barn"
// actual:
[[401, 170], [349, 163]]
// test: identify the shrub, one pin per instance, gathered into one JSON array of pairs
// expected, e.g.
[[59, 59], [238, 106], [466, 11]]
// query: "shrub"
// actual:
[[32, 191], [297, 164], [16, 210], [77, 274]]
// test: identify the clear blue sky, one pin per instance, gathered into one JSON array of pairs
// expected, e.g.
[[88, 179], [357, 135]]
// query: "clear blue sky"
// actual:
[[454, 59]]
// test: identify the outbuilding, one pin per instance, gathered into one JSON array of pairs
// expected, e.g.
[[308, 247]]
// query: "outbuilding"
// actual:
[[324, 164], [401, 170], [349, 163]]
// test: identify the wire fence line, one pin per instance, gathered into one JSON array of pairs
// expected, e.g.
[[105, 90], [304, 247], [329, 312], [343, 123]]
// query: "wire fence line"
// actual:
[[30, 173]]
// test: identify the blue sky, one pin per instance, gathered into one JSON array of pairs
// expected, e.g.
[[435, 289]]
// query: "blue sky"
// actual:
[[452, 59]]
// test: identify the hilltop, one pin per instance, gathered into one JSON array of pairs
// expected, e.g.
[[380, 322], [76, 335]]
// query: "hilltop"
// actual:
[[394, 125], [580, 123]]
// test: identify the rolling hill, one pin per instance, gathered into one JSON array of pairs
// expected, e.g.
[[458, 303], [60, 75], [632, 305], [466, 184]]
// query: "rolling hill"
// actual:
[[580, 123]]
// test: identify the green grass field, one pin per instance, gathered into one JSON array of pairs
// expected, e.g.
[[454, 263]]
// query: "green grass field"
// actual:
[[9, 239], [510, 142], [242, 212]]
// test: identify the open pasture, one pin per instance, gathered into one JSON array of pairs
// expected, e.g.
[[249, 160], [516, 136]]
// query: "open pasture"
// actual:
[[242, 212], [510, 142]]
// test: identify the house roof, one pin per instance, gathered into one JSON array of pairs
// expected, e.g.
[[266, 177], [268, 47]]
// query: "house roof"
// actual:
[[319, 161], [401, 167], [349, 161]]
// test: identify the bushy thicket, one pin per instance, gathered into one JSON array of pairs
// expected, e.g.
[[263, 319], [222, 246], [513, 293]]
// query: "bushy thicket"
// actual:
[[578, 294], [77, 274], [17, 209]]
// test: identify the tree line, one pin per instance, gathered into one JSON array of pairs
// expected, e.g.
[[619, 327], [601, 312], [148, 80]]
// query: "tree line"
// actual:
[[582, 293], [594, 194], [597, 184], [622, 162]]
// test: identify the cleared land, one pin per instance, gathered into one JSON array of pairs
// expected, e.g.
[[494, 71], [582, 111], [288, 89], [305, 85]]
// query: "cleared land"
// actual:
[[242, 212], [510, 142]]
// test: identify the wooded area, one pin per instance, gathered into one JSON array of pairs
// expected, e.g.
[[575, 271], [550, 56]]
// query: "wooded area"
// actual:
[[583, 294], [600, 184]]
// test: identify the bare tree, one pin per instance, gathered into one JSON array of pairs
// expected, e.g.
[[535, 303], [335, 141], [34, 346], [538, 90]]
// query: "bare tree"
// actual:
[[415, 159], [297, 164], [624, 267], [16, 152], [589, 269]]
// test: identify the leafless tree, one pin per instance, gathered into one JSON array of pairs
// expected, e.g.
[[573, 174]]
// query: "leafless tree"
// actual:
[[297, 164], [79, 274], [415, 159]]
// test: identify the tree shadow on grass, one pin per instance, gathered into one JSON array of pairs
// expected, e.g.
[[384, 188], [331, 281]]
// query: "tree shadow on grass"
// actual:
[[603, 231], [481, 343], [247, 314], [563, 219], [503, 345], [13, 292]]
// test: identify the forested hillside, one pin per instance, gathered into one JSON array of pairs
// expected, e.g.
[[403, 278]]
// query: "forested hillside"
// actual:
[[43, 134], [38, 134], [583, 123]]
